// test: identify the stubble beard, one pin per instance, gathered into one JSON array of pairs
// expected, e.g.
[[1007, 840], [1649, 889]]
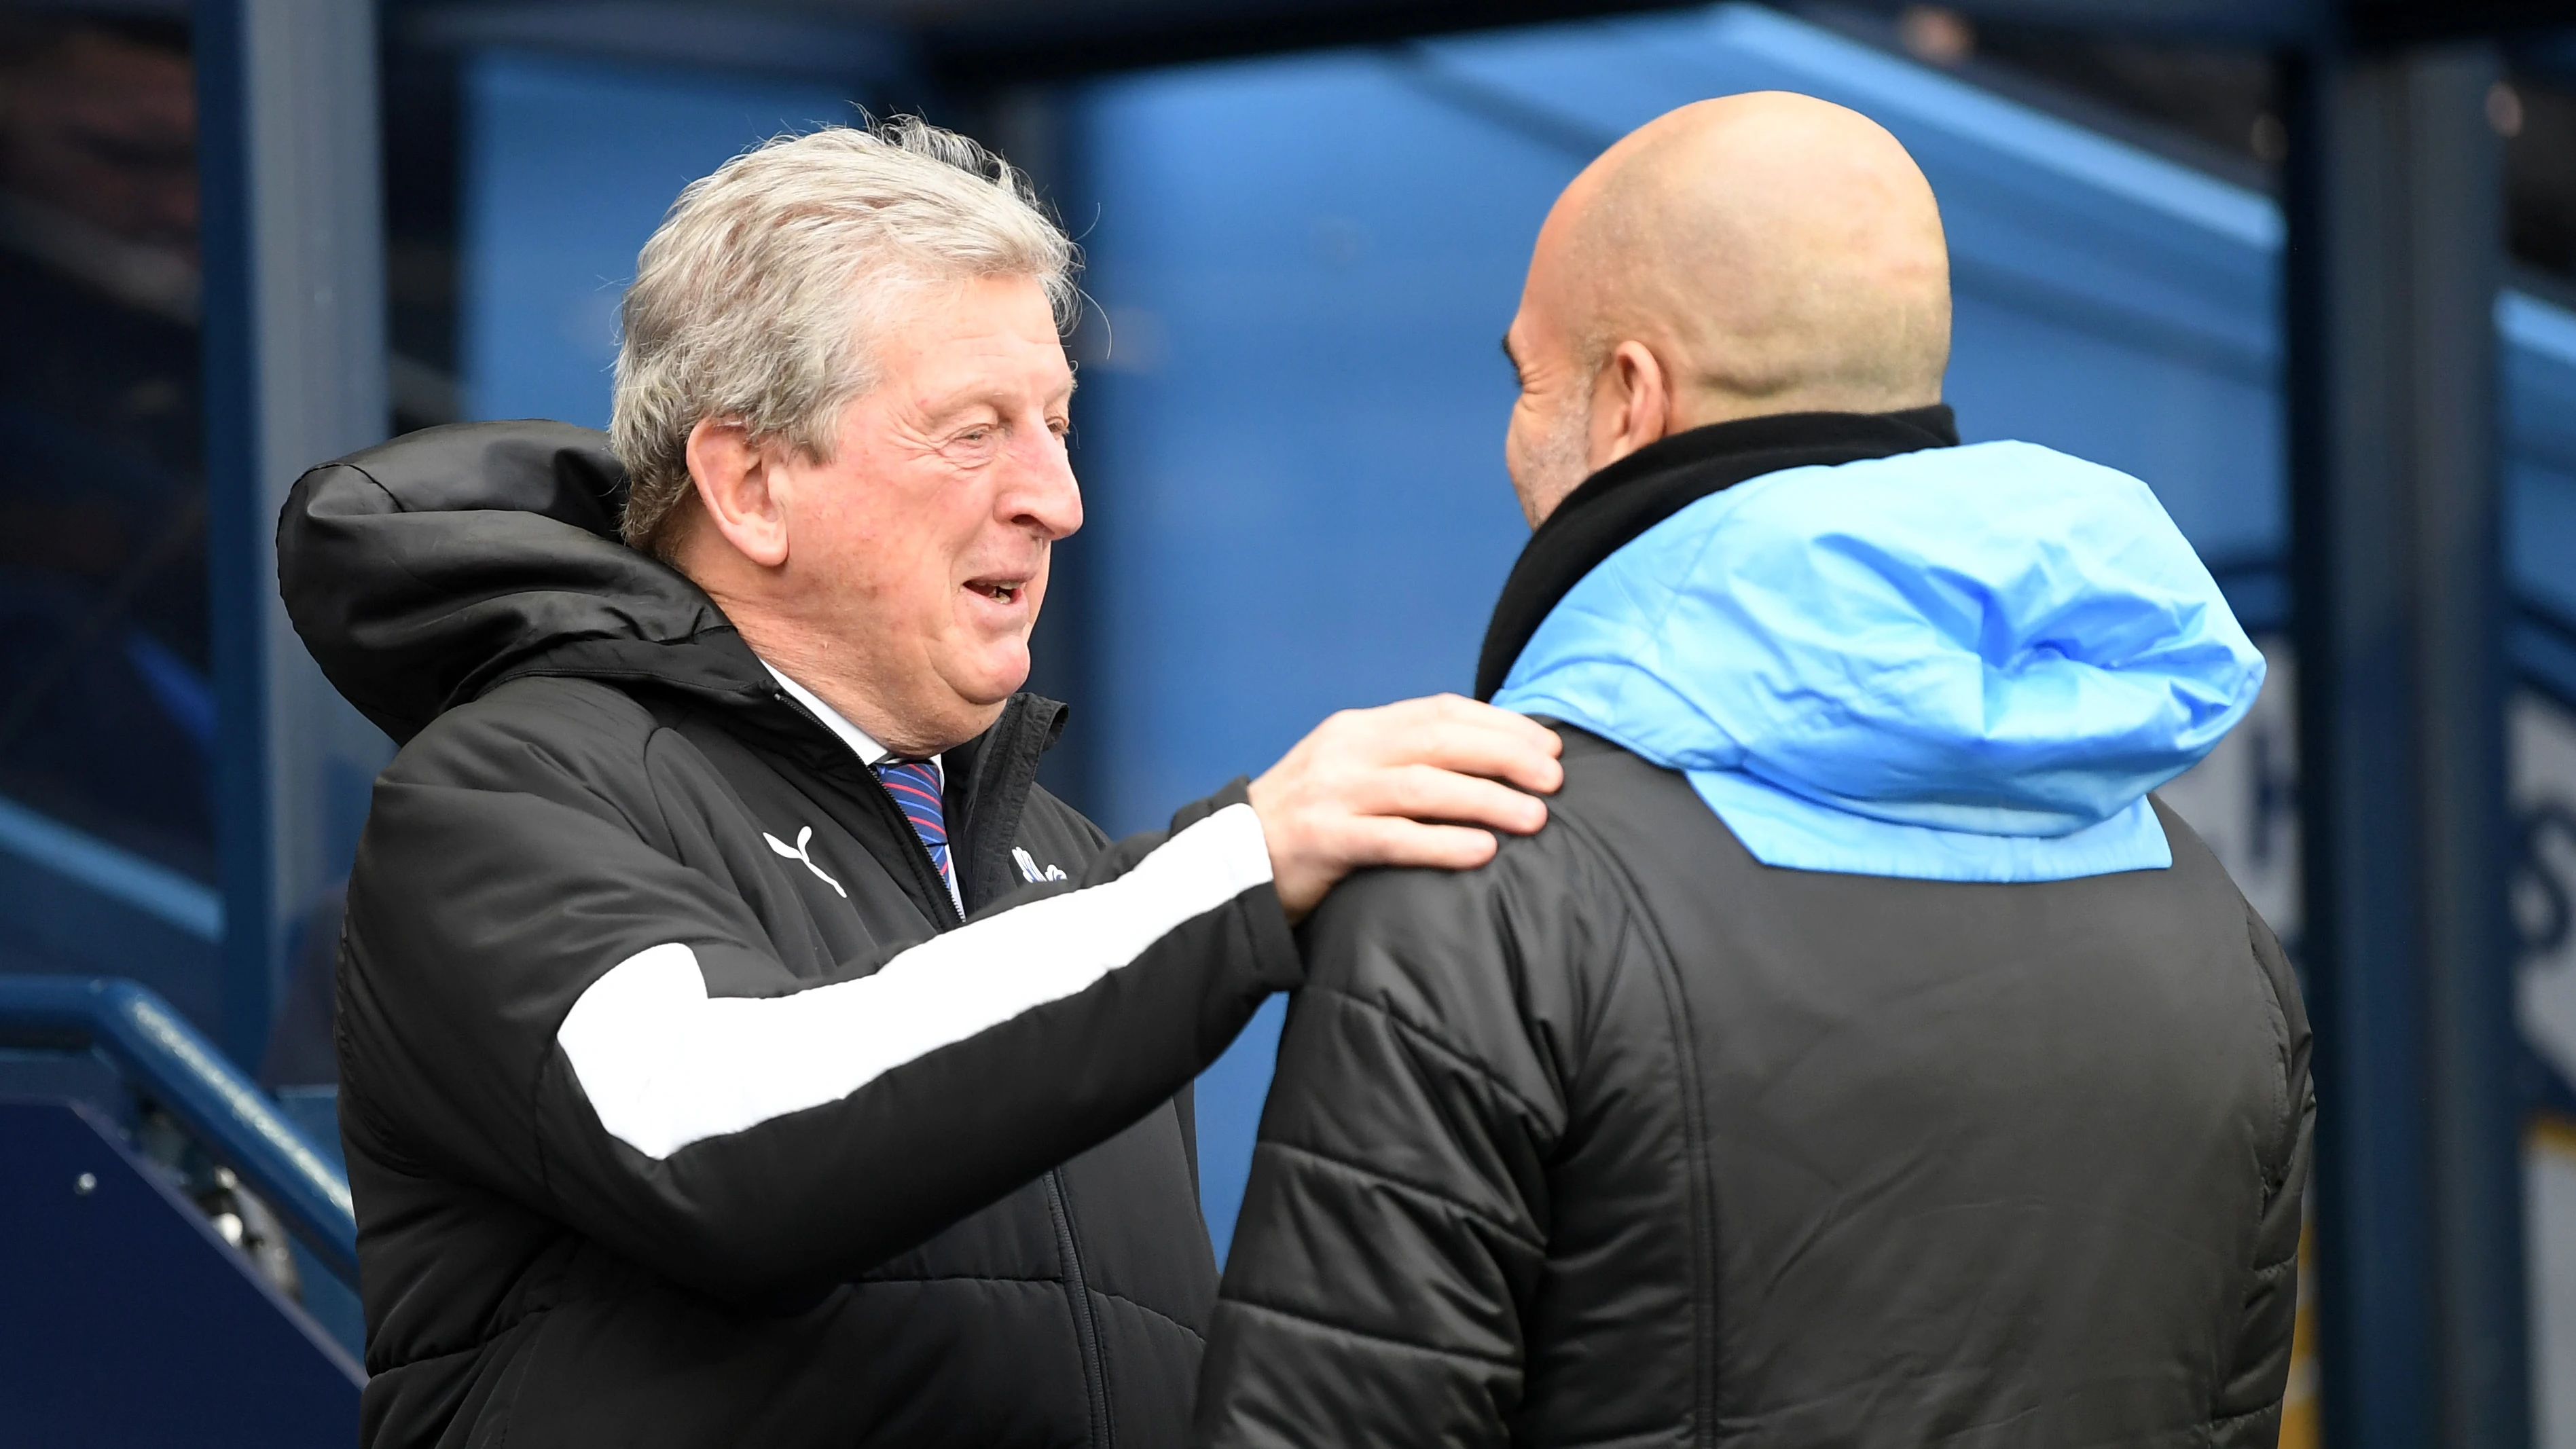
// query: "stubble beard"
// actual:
[[1562, 458]]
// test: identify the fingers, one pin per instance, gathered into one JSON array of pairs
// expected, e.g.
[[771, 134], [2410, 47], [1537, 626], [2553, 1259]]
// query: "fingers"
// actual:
[[1457, 734], [1387, 840], [1481, 747], [1423, 782], [1458, 710], [1430, 793], [1360, 841]]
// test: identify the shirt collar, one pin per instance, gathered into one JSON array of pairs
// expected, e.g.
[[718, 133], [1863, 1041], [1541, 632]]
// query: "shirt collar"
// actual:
[[861, 743]]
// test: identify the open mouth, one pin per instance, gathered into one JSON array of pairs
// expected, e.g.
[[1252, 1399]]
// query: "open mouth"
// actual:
[[1000, 591]]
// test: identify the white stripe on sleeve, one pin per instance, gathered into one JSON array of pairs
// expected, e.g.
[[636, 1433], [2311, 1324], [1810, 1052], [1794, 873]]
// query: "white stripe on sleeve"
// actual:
[[665, 1065]]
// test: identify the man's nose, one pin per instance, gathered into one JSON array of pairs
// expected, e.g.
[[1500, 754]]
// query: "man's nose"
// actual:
[[1042, 492]]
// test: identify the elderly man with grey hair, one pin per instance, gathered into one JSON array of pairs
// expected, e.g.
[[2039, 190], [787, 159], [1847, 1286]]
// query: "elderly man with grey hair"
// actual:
[[737, 1045]]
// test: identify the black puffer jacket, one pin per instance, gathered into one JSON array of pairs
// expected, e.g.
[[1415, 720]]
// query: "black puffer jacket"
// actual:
[[1640, 1135], [680, 1107]]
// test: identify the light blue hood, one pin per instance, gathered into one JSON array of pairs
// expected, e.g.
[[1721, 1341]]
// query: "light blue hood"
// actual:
[[1963, 664]]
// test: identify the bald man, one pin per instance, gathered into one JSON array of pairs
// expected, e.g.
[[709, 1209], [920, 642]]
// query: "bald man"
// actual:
[[1860, 1055]]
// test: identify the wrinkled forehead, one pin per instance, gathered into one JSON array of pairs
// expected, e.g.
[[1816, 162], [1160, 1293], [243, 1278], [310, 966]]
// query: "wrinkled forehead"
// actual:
[[974, 341]]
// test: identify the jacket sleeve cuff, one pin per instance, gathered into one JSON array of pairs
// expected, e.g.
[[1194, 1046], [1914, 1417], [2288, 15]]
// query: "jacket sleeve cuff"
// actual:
[[1237, 791], [1277, 963]]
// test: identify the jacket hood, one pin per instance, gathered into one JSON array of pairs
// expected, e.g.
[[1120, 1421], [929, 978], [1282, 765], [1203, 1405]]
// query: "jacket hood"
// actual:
[[1957, 663], [422, 572]]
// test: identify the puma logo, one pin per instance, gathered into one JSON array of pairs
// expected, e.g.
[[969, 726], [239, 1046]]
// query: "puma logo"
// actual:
[[798, 852], [1029, 867]]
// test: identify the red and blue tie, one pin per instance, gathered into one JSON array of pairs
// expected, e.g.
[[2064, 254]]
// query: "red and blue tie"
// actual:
[[915, 786]]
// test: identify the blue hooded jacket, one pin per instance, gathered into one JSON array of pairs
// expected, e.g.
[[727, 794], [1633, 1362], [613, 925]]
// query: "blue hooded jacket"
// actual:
[[1965, 664]]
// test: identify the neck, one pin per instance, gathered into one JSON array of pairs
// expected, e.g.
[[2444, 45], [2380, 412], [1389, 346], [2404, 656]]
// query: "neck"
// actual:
[[835, 674], [1699, 407]]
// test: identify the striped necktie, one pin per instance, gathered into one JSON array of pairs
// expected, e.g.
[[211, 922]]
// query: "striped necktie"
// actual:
[[915, 787]]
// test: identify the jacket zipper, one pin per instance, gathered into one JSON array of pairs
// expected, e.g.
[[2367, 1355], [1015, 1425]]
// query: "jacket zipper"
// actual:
[[1077, 1288], [1085, 1330]]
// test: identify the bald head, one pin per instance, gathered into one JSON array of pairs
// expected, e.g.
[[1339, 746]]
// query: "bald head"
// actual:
[[1756, 254]]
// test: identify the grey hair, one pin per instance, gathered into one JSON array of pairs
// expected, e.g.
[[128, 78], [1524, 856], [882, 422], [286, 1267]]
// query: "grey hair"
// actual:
[[758, 299]]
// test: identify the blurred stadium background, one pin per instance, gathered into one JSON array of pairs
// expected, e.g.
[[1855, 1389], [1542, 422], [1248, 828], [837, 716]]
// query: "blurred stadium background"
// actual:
[[239, 238]]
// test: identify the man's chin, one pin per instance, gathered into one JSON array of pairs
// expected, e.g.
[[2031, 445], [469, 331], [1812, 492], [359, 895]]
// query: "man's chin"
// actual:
[[998, 677]]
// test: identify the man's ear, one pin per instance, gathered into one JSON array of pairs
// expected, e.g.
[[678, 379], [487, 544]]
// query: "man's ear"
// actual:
[[736, 482], [1632, 404]]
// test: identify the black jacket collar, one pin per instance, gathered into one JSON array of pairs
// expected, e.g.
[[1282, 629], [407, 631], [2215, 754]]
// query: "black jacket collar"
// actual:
[[1659, 480]]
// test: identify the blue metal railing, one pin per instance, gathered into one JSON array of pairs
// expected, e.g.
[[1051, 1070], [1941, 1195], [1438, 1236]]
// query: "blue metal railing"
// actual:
[[165, 1059]]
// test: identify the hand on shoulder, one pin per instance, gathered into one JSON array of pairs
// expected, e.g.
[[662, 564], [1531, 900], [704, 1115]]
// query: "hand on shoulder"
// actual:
[[1423, 782]]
